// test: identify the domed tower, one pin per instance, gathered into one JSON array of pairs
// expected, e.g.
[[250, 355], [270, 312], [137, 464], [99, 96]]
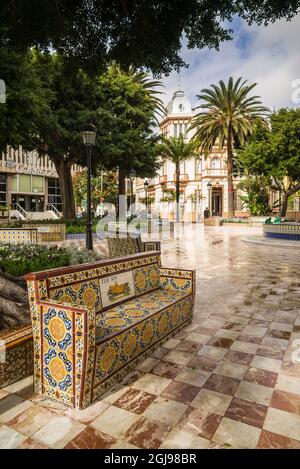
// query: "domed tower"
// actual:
[[178, 115]]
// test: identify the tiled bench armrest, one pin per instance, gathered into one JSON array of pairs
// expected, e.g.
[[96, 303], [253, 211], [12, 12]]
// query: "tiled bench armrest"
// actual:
[[151, 246], [178, 279], [67, 345]]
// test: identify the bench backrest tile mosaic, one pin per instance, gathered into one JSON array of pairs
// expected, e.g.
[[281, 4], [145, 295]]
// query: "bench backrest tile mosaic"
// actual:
[[50, 232]]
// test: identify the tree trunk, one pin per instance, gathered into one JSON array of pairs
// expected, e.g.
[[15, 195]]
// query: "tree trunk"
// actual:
[[14, 304], [284, 204], [177, 190], [122, 205], [230, 177], [63, 169]]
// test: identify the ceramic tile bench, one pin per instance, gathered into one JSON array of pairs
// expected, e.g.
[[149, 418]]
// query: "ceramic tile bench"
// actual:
[[94, 323], [123, 245]]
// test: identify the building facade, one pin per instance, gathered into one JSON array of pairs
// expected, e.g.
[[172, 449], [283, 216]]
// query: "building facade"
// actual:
[[203, 181], [28, 183]]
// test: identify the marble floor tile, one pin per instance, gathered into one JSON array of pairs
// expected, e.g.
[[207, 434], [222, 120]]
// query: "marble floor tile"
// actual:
[[288, 383], [31, 420], [236, 434], [114, 421], [171, 343], [135, 401], [270, 352], [216, 353], [198, 338], [279, 326], [233, 326], [200, 422], [90, 438], [246, 347], [238, 357], [202, 362], [167, 370], [259, 376], [152, 384], [19, 385], [178, 439], [256, 331], [247, 412], [58, 432], [31, 444], [227, 334], [147, 365], [112, 394], [188, 346], [287, 401], [165, 411], [269, 440], [222, 384], [177, 357], [11, 406], [89, 414], [181, 392], [265, 363], [254, 393], [147, 434], [283, 423], [9, 438], [211, 401], [220, 342], [230, 369], [193, 377]]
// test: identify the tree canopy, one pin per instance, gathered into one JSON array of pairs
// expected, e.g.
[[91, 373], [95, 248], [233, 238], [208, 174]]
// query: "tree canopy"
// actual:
[[142, 33], [275, 152]]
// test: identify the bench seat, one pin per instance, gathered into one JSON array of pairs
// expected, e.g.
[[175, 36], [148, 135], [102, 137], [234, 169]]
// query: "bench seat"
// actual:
[[124, 316], [93, 323]]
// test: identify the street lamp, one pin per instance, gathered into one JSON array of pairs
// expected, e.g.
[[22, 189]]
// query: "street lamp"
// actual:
[[209, 189], [146, 184], [131, 178], [89, 137]]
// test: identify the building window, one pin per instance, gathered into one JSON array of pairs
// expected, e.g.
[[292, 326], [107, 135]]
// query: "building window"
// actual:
[[180, 129], [197, 167], [37, 184], [185, 129], [216, 163], [2, 189], [175, 130], [54, 196]]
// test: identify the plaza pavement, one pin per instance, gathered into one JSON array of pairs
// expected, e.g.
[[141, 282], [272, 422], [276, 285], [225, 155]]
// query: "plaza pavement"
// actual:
[[228, 380]]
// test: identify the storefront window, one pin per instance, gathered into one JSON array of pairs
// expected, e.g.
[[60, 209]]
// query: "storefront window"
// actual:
[[24, 183], [37, 184]]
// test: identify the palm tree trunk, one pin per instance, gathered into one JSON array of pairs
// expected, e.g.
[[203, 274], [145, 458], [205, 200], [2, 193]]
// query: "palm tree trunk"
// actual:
[[63, 169], [177, 190], [230, 177]]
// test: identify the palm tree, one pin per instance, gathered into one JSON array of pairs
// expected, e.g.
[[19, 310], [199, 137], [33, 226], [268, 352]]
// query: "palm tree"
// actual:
[[177, 150], [227, 116]]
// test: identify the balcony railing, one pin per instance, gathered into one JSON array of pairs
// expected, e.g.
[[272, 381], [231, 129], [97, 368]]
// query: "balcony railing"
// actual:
[[163, 179], [216, 172], [182, 177]]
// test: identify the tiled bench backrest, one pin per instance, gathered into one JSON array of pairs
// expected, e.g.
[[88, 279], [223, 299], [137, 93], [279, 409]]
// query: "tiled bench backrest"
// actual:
[[18, 235], [101, 284]]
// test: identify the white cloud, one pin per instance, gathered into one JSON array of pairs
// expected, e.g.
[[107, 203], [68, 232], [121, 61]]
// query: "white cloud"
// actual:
[[270, 57]]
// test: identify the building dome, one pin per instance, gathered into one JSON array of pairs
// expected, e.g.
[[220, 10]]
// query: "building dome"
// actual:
[[179, 105]]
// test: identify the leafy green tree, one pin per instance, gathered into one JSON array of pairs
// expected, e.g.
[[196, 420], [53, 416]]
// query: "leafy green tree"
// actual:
[[139, 32], [125, 119], [256, 197], [104, 188], [227, 116], [275, 153], [177, 150]]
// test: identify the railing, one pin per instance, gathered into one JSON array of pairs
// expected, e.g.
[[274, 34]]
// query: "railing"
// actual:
[[216, 172], [54, 209], [16, 206], [163, 179], [182, 177]]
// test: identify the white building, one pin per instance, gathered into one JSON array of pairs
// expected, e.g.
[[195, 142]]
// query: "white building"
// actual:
[[203, 181]]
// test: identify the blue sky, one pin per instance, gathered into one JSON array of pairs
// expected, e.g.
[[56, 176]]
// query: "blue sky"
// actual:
[[266, 55]]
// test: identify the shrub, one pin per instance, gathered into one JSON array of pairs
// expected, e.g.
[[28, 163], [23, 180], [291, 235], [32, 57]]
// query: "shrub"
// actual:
[[19, 259]]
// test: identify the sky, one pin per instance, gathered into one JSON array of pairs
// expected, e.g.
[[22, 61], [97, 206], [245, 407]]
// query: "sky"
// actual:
[[268, 55]]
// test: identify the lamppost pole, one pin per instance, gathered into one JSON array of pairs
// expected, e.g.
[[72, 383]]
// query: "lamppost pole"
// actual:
[[209, 189], [89, 136], [146, 184], [131, 178]]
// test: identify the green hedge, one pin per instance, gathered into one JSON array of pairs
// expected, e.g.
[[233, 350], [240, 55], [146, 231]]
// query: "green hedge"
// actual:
[[19, 259]]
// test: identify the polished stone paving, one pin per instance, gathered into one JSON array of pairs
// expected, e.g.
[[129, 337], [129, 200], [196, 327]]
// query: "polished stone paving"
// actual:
[[228, 380]]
